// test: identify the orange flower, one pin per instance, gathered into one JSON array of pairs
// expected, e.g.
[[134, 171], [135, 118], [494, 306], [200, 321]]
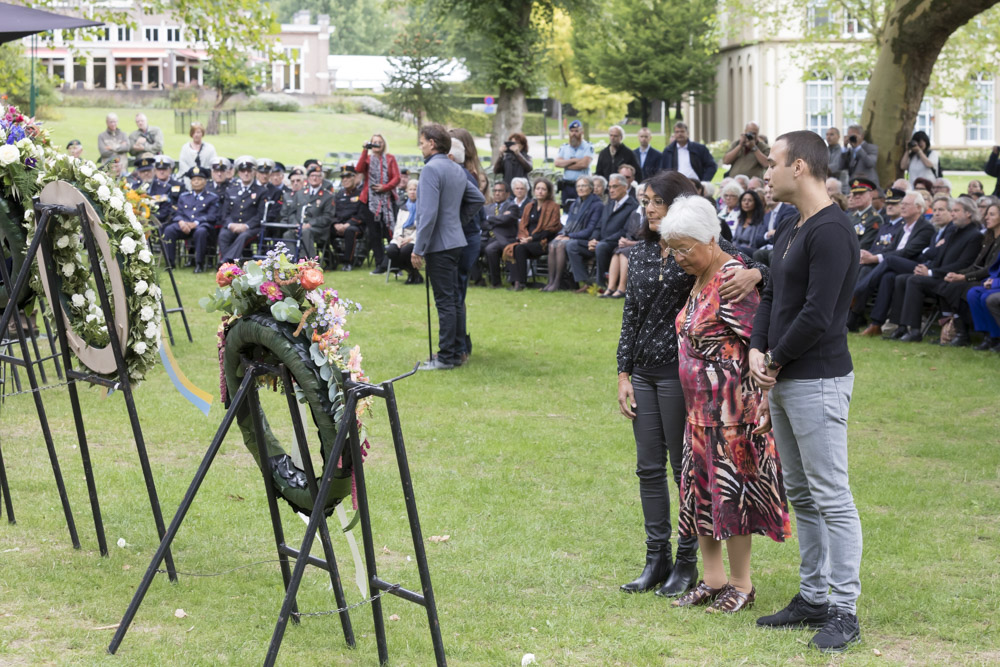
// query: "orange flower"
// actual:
[[310, 278]]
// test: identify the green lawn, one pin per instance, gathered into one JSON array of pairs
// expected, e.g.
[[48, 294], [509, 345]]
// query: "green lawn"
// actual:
[[522, 458]]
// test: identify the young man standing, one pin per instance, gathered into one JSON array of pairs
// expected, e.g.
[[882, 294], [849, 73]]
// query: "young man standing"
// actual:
[[799, 353]]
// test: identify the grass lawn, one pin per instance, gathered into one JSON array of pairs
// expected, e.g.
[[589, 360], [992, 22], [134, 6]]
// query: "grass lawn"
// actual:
[[522, 458]]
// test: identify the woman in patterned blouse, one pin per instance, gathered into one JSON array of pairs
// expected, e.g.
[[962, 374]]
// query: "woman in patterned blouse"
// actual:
[[649, 388], [731, 485]]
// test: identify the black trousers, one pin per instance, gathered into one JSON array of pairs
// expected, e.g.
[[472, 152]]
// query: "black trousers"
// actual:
[[442, 273], [523, 251], [400, 257], [377, 235], [350, 236], [658, 427]]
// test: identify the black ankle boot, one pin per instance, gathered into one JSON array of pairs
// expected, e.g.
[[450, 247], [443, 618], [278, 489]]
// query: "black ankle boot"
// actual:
[[685, 573], [987, 344], [658, 566]]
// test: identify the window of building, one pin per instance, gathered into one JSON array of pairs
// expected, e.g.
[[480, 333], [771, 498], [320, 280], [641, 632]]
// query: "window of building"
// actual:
[[152, 34], [925, 120], [817, 14], [196, 34], [173, 34], [852, 97], [102, 34], [293, 70], [124, 34], [853, 26], [819, 103], [979, 122]]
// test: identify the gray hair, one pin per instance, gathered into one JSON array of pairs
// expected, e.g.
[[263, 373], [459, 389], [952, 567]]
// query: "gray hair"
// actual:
[[743, 180], [594, 180], [943, 181], [966, 203], [111, 116], [856, 126], [457, 150], [833, 181], [588, 180], [519, 181], [618, 178], [691, 217], [732, 188], [709, 189], [912, 194], [617, 127]]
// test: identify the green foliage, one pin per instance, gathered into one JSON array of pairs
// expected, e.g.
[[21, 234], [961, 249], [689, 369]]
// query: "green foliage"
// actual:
[[964, 160], [359, 28], [15, 79], [274, 102], [416, 91], [480, 124]]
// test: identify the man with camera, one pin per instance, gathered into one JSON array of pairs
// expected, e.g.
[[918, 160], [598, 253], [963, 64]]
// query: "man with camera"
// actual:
[[748, 154], [859, 157]]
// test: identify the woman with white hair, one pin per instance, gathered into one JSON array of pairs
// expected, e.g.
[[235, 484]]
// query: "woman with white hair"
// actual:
[[730, 211], [731, 485]]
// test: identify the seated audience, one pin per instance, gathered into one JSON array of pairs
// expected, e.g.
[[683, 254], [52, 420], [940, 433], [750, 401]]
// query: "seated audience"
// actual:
[[600, 188], [583, 217], [539, 225], [399, 250], [730, 212], [750, 232], [975, 189], [603, 240], [618, 271], [501, 218]]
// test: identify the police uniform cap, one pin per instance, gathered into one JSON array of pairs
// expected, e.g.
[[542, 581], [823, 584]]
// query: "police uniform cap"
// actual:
[[348, 170], [164, 162], [860, 186], [894, 195], [220, 163], [313, 168], [404, 170], [73, 142], [196, 172], [265, 165], [278, 166], [144, 162], [575, 124], [245, 161], [297, 171]]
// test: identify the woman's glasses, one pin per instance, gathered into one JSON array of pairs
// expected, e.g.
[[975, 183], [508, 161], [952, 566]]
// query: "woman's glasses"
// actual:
[[683, 252], [656, 201]]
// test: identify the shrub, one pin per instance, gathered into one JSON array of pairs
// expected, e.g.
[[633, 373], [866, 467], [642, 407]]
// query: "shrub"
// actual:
[[972, 159], [273, 102]]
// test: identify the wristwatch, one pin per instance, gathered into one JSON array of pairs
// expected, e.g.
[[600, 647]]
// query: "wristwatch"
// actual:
[[770, 363]]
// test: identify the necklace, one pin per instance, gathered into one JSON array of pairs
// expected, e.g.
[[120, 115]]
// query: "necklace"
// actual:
[[792, 240], [663, 262]]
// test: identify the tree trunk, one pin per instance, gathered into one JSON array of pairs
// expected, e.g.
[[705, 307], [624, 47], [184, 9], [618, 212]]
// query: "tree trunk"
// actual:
[[213, 119], [509, 116], [644, 111], [914, 35], [678, 114]]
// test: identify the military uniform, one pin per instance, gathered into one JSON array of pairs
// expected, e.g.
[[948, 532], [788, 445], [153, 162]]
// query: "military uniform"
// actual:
[[349, 210], [318, 208], [165, 192], [867, 222], [200, 207], [242, 205]]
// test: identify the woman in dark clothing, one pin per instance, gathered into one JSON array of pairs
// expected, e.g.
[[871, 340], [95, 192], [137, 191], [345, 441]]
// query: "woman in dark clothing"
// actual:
[[513, 160], [539, 225], [649, 388], [748, 235]]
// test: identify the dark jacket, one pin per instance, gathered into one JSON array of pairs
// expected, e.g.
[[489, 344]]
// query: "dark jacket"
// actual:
[[701, 160], [608, 164], [654, 159], [920, 236], [992, 168], [318, 207], [750, 238], [612, 224], [585, 213], [959, 250], [242, 207]]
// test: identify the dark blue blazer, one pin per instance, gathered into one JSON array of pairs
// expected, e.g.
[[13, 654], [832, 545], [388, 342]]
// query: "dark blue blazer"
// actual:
[[654, 159], [612, 223], [590, 216], [701, 160]]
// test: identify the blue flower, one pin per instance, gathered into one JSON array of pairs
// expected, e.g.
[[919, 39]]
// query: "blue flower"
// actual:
[[16, 134]]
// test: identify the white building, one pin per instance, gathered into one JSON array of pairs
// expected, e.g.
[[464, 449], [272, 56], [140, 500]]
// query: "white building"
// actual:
[[760, 77]]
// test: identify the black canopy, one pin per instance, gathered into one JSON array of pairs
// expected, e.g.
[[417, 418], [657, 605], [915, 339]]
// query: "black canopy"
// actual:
[[17, 22]]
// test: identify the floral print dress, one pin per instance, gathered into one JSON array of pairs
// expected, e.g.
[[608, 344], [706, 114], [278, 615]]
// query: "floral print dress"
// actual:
[[730, 479]]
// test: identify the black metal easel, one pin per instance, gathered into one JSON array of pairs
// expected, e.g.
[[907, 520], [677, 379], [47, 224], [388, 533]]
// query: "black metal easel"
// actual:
[[247, 396], [167, 312], [41, 241]]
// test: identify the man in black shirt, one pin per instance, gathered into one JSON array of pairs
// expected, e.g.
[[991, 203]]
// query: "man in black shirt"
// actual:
[[798, 351]]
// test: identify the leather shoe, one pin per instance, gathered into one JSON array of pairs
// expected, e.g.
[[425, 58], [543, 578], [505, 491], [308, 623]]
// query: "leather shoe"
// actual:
[[656, 571], [199, 268], [911, 337], [960, 340], [435, 365], [872, 330], [898, 333], [702, 594], [732, 600], [987, 344]]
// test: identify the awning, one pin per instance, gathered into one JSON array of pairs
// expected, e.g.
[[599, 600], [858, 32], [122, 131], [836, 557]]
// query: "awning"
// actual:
[[155, 54], [191, 55], [17, 22]]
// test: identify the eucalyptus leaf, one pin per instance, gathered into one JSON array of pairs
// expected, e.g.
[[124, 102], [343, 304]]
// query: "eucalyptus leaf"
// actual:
[[294, 314], [317, 356], [279, 310], [208, 303], [325, 372]]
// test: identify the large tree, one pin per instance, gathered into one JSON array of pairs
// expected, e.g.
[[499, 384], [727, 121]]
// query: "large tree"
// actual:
[[416, 90]]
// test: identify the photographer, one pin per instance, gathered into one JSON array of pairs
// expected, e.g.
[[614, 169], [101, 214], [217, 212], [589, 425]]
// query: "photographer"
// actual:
[[513, 160], [993, 169], [859, 157], [920, 161], [378, 195], [747, 155]]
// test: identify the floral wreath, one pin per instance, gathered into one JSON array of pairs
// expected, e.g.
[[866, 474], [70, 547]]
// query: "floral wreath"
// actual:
[[127, 239]]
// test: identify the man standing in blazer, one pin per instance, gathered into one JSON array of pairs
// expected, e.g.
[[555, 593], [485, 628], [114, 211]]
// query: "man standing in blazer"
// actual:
[[445, 197], [647, 156], [859, 157], [688, 157]]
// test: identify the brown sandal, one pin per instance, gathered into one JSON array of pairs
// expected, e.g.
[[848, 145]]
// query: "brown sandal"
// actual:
[[699, 595], [732, 600]]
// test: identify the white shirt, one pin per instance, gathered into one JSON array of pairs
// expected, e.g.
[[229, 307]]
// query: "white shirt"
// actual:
[[642, 156], [684, 162]]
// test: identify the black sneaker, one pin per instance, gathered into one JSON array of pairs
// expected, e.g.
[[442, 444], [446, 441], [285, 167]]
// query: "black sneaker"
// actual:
[[841, 630], [798, 614]]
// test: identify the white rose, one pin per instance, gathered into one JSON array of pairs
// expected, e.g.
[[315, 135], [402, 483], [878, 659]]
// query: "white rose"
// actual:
[[28, 215], [86, 169], [92, 317], [136, 227], [91, 296], [68, 269], [127, 245], [152, 329], [128, 208], [145, 256], [154, 291], [8, 154], [146, 313], [140, 348], [78, 300], [141, 287], [23, 142], [117, 203], [63, 242], [103, 193]]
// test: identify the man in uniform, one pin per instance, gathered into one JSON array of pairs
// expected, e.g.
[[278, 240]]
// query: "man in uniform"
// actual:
[[74, 148], [165, 189], [865, 219], [264, 167], [196, 214], [296, 179], [220, 177], [312, 206], [574, 159], [143, 172], [348, 222], [276, 193], [242, 209]]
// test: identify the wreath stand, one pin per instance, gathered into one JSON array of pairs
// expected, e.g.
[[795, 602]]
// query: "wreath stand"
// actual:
[[177, 295], [42, 242], [247, 395]]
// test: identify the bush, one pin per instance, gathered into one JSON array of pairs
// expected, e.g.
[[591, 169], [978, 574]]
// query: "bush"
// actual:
[[273, 102], [374, 107], [480, 124], [15, 81], [973, 159], [342, 105], [183, 98]]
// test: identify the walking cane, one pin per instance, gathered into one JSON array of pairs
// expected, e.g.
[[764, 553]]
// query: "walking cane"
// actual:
[[430, 345]]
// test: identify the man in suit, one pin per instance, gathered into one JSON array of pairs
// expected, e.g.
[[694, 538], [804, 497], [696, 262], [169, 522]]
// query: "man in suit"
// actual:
[[615, 154], [858, 156], [837, 172], [312, 206], [865, 219], [906, 240], [242, 208], [647, 156], [196, 214], [444, 199], [604, 238], [500, 220], [688, 157]]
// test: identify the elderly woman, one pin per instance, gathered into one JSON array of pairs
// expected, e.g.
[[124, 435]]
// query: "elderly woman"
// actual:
[[618, 269], [400, 249], [512, 159], [196, 153], [750, 233], [731, 484], [730, 211], [378, 194], [539, 225], [584, 215], [600, 188], [649, 385]]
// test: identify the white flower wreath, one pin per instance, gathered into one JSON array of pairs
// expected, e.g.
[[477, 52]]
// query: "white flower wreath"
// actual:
[[127, 240]]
